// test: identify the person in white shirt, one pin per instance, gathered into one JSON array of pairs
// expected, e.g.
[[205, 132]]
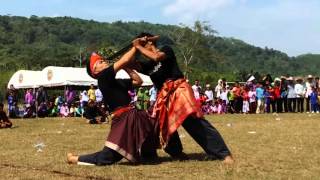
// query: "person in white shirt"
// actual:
[[99, 96], [252, 100], [309, 84], [300, 94], [196, 89], [218, 88], [153, 95], [209, 93]]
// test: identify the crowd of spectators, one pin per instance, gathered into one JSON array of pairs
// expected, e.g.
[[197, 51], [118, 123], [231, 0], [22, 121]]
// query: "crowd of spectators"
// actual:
[[278, 95], [284, 94]]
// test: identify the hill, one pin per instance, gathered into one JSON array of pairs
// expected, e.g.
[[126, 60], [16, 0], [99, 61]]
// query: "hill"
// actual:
[[35, 42]]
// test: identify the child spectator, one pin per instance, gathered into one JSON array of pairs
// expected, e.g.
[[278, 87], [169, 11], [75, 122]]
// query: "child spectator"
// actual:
[[314, 100], [4, 120], [64, 110], [252, 100], [245, 97], [260, 98]]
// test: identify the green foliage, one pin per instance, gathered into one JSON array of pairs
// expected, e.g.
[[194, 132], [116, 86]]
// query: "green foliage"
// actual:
[[33, 43]]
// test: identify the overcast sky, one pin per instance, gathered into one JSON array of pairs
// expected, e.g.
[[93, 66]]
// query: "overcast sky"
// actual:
[[292, 26]]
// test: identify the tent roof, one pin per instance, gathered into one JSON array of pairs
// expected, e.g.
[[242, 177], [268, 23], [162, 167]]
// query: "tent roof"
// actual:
[[53, 76]]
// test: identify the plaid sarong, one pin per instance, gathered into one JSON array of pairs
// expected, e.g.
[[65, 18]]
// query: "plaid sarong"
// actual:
[[175, 102]]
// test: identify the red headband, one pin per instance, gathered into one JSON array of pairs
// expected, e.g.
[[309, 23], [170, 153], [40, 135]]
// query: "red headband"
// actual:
[[93, 59]]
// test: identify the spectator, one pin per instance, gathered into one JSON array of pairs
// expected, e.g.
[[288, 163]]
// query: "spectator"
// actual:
[[64, 110], [84, 98], [252, 100], [260, 98], [41, 95], [70, 95], [245, 97], [140, 97], [92, 93], [42, 110], [314, 100], [12, 105], [196, 90], [99, 96], [309, 84], [218, 88], [209, 93], [4, 120], [153, 95], [91, 113], [237, 97], [291, 95], [300, 94]]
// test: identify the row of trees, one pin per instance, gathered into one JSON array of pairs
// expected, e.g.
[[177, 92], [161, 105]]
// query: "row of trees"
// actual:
[[35, 42]]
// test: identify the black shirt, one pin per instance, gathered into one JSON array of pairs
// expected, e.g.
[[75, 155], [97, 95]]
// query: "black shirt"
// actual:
[[114, 91], [163, 70]]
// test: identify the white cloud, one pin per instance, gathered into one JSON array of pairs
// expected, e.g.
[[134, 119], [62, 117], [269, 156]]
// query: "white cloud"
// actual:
[[291, 26], [189, 10]]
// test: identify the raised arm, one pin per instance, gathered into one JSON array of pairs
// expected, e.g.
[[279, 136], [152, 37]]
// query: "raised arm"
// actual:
[[148, 49], [136, 79], [124, 60]]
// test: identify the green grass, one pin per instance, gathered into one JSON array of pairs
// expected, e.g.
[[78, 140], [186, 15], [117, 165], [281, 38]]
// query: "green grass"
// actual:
[[280, 149]]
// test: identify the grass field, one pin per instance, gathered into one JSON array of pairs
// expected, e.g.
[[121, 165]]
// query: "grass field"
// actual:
[[270, 146]]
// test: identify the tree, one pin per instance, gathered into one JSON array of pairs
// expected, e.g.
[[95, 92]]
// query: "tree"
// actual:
[[187, 40]]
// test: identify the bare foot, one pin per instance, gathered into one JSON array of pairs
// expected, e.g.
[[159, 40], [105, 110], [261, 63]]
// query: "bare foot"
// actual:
[[228, 160], [72, 159]]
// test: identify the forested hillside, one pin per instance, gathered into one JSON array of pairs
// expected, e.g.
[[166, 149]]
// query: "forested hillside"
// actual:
[[35, 42]]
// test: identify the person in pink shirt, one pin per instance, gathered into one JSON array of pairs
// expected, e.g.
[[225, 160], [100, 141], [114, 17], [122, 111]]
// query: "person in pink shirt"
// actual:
[[64, 110]]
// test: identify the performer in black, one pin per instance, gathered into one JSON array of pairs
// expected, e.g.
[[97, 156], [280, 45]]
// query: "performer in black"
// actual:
[[176, 104], [130, 127]]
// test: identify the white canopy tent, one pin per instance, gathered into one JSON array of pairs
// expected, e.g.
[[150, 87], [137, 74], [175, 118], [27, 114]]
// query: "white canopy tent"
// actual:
[[53, 76], [25, 79]]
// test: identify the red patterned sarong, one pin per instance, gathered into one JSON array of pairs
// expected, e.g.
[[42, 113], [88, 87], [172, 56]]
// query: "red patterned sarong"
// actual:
[[175, 102]]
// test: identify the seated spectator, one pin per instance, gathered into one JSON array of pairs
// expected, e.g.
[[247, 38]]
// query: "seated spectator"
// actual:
[[42, 110], [79, 111], [64, 110], [52, 109], [4, 120], [92, 112], [28, 111]]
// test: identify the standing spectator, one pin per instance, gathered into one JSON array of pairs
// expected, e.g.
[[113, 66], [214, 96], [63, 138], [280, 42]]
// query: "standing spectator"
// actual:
[[140, 97], [146, 99], [99, 96], [277, 95], [218, 88], [284, 94], [70, 96], [196, 90], [309, 85], [291, 95], [12, 105], [237, 97], [91, 93], [41, 95], [28, 98], [12, 98], [300, 94], [252, 100], [153, 95], [231, 100], [4, 120], [209, 93], [84, 98], [260, 98], [245, 97], [314, 100], [224, 99], [133, 96]]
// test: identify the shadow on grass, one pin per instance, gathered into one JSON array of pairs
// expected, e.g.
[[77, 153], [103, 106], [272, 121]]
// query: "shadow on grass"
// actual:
[[159, 160]]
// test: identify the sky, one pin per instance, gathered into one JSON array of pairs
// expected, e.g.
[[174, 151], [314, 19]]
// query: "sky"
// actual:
[[291, 26]]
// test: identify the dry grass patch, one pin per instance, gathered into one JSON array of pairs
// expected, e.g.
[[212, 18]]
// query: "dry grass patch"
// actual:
[[267, 146]]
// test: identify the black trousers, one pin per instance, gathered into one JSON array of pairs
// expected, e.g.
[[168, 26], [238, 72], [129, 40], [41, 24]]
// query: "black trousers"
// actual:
[[106, 156], [204, 134]]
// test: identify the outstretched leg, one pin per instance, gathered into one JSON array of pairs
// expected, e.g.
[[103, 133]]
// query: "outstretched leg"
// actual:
[[106, 156], [208, 138]]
